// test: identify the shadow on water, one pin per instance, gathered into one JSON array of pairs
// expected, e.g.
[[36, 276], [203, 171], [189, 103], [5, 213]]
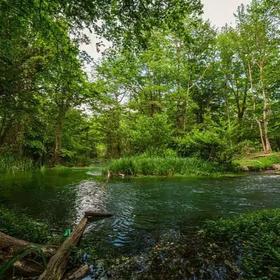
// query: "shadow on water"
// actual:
[[146, 210]]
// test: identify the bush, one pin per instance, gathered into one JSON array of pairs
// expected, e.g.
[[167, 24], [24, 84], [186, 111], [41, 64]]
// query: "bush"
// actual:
[[149, 134], [208, 145]]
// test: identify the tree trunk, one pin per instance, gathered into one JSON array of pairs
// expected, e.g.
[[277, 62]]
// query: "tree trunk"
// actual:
[[261, 135], [265, 116], [10, 246], [58, 137]]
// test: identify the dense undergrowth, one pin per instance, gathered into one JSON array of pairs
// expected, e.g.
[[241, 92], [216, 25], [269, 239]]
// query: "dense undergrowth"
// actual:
[[164, 166]]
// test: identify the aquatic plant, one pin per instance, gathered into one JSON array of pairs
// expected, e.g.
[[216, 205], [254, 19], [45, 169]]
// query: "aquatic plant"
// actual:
[[254, 239]]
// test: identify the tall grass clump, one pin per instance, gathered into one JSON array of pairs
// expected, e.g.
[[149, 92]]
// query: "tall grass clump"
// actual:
[[162, 166], [9, 163]]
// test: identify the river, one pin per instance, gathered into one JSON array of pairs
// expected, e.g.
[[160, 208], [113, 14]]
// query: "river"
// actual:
[[145, 209]]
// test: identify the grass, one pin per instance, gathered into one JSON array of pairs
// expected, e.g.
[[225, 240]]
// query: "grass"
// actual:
[[244, 247], [162, 166], [9, 163], [258, 162]]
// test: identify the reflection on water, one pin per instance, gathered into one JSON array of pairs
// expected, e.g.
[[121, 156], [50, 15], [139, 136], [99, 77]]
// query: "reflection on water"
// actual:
[[144, 210], [89, 196]]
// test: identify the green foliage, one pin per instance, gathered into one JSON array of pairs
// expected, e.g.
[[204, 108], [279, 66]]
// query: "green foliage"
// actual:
[[208, 144], [23, 227], [170, 81], [149, 134], [255, 241], [213, 142], [162, 166]]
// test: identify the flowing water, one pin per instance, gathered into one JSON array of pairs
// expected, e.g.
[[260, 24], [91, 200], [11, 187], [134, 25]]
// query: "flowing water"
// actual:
[[145, 209]]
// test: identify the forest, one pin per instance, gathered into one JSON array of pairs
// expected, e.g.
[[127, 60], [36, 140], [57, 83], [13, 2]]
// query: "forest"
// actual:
[[170, 84], [170, 131]]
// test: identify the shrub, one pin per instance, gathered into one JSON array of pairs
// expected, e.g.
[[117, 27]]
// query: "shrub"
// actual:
[[208, 145]]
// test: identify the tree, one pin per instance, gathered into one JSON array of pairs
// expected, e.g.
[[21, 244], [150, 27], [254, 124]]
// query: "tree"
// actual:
[[261, 52]]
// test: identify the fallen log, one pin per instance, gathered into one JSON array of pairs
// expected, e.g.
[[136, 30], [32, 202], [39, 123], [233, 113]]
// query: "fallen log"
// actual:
[[28, 267], [10, 245], [56, 267], [78, 273]]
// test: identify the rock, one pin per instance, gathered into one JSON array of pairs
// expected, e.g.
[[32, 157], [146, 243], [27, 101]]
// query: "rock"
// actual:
[[245, 168], [276, 167]]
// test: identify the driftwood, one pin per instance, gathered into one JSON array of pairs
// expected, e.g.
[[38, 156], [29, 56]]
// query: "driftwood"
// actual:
[[10, 245], [28, 267], [56, 267], [78, 273]]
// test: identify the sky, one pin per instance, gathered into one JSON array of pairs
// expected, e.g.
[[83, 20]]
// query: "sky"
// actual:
[[219, 12]]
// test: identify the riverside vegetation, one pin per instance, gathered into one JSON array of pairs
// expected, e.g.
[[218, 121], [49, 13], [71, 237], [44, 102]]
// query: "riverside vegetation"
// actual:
[[246, 246]]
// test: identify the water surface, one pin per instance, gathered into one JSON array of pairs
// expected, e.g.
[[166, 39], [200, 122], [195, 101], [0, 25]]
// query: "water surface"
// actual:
[[145, 209]]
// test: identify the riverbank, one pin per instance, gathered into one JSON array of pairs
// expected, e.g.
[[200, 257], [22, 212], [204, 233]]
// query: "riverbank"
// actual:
[[259, 162], [244, 247], [138, 166]]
